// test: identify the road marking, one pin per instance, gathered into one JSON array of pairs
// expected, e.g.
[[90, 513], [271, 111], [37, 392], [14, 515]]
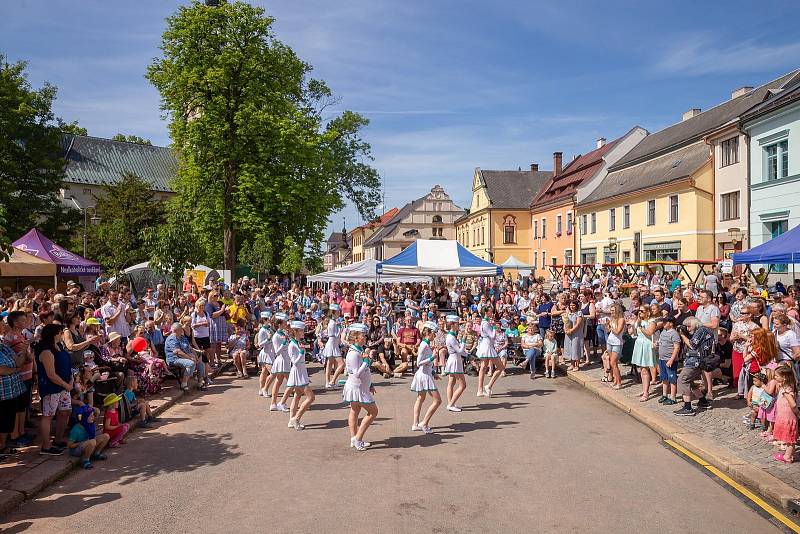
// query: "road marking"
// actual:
[[755, 499]]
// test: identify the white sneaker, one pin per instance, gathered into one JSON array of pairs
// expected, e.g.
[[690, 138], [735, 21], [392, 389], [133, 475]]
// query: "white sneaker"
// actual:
[[453, 409], [360, 446], [267, 394], [427, 430], [328, 385], [273, 407], [298, 426], [480, 394], [416, 428], [291, 423], [353, 441], [260, 392], [487, 391], [282, 407]]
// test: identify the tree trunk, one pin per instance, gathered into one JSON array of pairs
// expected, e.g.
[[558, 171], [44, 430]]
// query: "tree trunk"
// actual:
[[229, 246]]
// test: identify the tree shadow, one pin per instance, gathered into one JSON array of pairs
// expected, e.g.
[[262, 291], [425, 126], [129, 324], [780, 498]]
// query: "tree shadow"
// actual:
[[477, 425], [155, 454], [525, 393]]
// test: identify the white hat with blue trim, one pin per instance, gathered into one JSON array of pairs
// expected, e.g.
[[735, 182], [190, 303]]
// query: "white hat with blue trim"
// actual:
[[358, 327], [280, 316], [297, 325], [430, 325], [452, 318], [335, 307]]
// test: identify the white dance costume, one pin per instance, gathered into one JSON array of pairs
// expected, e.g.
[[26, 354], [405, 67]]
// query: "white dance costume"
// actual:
[[298, 376], [264, 343], [359, 381], [332, 348], [486, 348], [423, 378], [280, 346], [455, 355]]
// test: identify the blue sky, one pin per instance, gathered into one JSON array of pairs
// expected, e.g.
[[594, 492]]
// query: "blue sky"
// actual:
[[448, 85]]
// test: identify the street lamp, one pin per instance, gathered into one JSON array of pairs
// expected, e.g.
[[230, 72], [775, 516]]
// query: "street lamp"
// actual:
[[94, 220]]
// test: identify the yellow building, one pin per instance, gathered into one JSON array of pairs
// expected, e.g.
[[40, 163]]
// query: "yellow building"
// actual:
[[361, 233], [498, 224], [657, 208]]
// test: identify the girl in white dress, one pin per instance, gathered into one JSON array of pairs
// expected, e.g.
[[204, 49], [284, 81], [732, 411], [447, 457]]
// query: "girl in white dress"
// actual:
[[332, 352], [454, 367], [423, 383], [298, 382], [358, 390], [264, 358], [487, 354], [280, 364]]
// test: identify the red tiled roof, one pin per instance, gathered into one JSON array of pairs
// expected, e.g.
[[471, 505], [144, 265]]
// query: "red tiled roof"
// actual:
[[583, 168], [380, 221]]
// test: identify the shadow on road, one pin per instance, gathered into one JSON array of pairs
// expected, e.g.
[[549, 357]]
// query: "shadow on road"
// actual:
[[525, 393], [155, 454], [477, 425], [495, 406]]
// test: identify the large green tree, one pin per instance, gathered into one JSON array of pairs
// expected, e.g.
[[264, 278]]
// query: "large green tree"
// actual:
[[31, 170], [172, 246], [124, 210], [256, 156]]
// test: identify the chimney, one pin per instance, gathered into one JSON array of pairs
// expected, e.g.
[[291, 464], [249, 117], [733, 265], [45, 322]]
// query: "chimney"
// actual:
[[694, 112], [736, 93], [601, 141], [556, 163], [534, 167]]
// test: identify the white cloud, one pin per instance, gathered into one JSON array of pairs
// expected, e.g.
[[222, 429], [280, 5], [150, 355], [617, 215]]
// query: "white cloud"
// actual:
[[700, 54]]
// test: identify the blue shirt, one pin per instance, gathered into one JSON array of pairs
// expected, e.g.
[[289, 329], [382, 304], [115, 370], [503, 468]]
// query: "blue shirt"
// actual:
[[11, 386], [174, 342], [544, 322], [155, 337]]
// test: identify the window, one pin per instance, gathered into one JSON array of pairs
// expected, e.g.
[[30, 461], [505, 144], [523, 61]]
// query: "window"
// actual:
[[670, 251], [626, 216], [729, 206], [776, 159], [569, 223], [568, 257], [730, 152], [777, 228], [612, 219], [626, 256], [509, 230], [535, 232], [544, 228], [651, 212], [594, 223], [673, 208], [558, 224], [584, 224], [589, 256], [535, 258], [437, 219], [544, 259], [609, 256]]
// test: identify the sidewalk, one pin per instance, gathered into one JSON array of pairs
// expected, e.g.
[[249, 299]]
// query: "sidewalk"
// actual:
[[716, 435], [27, 472]]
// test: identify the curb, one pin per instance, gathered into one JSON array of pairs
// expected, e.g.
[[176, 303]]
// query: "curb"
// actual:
[[53, 470], [754, 478]]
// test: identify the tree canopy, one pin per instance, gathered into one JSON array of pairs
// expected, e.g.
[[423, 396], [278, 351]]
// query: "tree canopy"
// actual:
[[31, 170], [257, 159], [131, 139]]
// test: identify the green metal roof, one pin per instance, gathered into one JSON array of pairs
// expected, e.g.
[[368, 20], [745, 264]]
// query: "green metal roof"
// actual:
[[98, 161]]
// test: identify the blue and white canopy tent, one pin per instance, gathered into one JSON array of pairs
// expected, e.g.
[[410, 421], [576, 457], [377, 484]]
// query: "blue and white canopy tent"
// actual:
[[362, 271], [437, 258]]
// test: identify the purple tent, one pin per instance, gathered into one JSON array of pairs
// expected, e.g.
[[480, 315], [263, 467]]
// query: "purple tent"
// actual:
[[69, 264]]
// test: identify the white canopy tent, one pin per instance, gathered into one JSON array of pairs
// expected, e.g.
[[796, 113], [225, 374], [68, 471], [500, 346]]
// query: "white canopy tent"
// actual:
[[363, 271], [514, 263], [440, 257]]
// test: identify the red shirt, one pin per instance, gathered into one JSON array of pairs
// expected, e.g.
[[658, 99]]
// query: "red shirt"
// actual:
[[408, 335], [348, 306]]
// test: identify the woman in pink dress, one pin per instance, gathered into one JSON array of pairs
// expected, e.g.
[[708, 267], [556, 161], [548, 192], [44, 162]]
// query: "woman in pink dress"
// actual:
[[786, 413]]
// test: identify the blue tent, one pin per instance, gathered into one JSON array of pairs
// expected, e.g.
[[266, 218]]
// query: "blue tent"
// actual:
[[782, 249], [438, 257]]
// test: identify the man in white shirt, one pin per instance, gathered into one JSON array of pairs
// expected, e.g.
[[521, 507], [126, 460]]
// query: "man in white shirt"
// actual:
[[115, 315], [707, 312]]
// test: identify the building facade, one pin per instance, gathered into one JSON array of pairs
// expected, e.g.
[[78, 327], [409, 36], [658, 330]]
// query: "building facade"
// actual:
[[430, 217], [361, 233], [553, 214], [338, 251], [774, 161], [92, 162], [499, 224]]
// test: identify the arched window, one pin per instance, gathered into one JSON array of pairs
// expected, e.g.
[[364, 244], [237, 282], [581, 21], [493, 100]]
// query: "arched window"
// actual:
[[509, 229], [437, 219]]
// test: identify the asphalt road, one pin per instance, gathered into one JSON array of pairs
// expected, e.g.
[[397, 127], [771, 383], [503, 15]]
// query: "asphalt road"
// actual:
[[541, 456]]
